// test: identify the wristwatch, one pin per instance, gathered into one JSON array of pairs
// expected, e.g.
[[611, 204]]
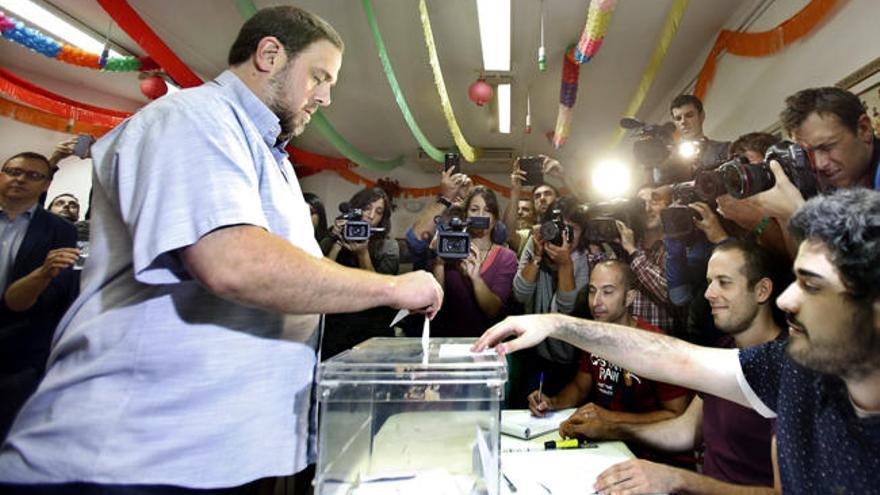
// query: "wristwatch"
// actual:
[[443, 201]]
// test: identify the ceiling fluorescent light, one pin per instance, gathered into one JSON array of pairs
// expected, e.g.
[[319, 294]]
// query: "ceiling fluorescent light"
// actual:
[[494, 18], [54, 25], [504, 108]]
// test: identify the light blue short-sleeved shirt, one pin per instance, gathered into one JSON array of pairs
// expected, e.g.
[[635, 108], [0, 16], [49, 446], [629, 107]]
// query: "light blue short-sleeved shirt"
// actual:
[[152, 379]]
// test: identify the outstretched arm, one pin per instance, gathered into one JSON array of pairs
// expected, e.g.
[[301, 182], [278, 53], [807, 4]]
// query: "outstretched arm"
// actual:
[[648, 354]]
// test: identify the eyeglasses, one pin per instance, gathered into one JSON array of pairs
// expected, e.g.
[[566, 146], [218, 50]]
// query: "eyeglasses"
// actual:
[[30, 175]]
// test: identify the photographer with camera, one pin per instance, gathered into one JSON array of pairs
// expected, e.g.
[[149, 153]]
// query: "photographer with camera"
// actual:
[[688, 116], [833, 130], [359, 239], [475, 272], [530, 171], [553, 268], [454, 188], [646, 256]]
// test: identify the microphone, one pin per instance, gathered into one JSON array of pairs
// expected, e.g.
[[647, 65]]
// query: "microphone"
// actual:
[[344, 207]]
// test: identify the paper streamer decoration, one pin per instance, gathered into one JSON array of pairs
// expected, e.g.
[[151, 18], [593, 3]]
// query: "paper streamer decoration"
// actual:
[[670, 27], [467, 151], [46, 120], [567, 98], [14, 30], [763, 43], [319, 122], [433, 152], [16, 88], [598, 18]]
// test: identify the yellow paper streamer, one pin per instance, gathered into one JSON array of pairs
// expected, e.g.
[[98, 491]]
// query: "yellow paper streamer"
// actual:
[[467, 151], [673, 19]]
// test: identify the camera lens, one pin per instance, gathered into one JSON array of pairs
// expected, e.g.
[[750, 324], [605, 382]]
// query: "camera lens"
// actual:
[[708, 185], [742, 180], [550, 232]]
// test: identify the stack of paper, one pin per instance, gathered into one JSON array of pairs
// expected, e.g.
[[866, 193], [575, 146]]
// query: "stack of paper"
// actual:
[[521, 424]]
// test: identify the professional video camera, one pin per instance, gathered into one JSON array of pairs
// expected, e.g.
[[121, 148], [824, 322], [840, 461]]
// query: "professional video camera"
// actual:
[[355, 229], [653, 149], [743, 179], [602, 224], [453, 240], [554, 229]]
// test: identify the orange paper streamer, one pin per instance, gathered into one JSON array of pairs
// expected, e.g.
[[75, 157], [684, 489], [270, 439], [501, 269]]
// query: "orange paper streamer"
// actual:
[[763, 43]]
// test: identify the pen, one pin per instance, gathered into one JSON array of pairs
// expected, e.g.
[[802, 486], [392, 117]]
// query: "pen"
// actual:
[[541, 388], [509, 483]]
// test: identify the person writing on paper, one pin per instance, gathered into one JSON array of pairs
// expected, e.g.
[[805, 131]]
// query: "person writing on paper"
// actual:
[[737, 457], [822, 384], [615, 394]]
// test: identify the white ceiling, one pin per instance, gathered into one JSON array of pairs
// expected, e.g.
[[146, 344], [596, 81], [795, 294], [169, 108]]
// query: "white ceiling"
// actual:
[[364, 110]]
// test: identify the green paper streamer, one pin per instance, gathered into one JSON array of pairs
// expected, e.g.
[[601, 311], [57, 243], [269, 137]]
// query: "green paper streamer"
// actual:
[[433, 152], [247, 9], [319, 122]]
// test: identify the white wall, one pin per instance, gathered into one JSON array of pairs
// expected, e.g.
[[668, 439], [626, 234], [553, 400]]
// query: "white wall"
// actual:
[[747, 94]]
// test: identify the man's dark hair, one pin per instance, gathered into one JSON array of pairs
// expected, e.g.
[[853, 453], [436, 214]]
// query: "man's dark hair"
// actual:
[[295, 28], [847, 223], [760, 263], [753, 141], [682, 100], [30, 155], [627, 277], [823, 101], [317, 207], [49, 204]]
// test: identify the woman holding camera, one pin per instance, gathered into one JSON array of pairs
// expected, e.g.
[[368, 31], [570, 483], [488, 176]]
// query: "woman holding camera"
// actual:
[[475, 288], [378, 254]]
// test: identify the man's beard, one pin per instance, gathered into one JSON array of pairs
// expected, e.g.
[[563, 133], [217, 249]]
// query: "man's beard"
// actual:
[[740, 326], [286, 116], [851, 356]]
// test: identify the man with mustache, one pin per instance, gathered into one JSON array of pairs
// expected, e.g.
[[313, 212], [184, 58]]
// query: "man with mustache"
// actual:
[[186, 365], [823, 385]]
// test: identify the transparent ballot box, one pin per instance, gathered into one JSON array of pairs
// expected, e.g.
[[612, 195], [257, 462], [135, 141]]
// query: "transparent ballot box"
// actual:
[[393, 420]]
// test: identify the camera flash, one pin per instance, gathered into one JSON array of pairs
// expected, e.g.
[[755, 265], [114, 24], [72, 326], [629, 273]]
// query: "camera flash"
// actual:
[[688, 149]]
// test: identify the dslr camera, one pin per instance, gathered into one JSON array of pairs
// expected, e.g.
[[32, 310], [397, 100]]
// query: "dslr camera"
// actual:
[[742, 179], [554, 229], [453, 240], [355, 229]]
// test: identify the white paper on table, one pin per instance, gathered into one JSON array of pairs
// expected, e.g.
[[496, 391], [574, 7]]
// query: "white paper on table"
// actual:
[[521, 424], [462, 350], [562, 472]]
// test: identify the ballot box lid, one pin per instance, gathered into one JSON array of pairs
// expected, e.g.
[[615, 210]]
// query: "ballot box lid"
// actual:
[[400, 359]]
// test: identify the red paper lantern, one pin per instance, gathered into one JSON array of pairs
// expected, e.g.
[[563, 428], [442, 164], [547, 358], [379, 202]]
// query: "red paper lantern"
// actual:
[[153, 87], [480, 92]]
